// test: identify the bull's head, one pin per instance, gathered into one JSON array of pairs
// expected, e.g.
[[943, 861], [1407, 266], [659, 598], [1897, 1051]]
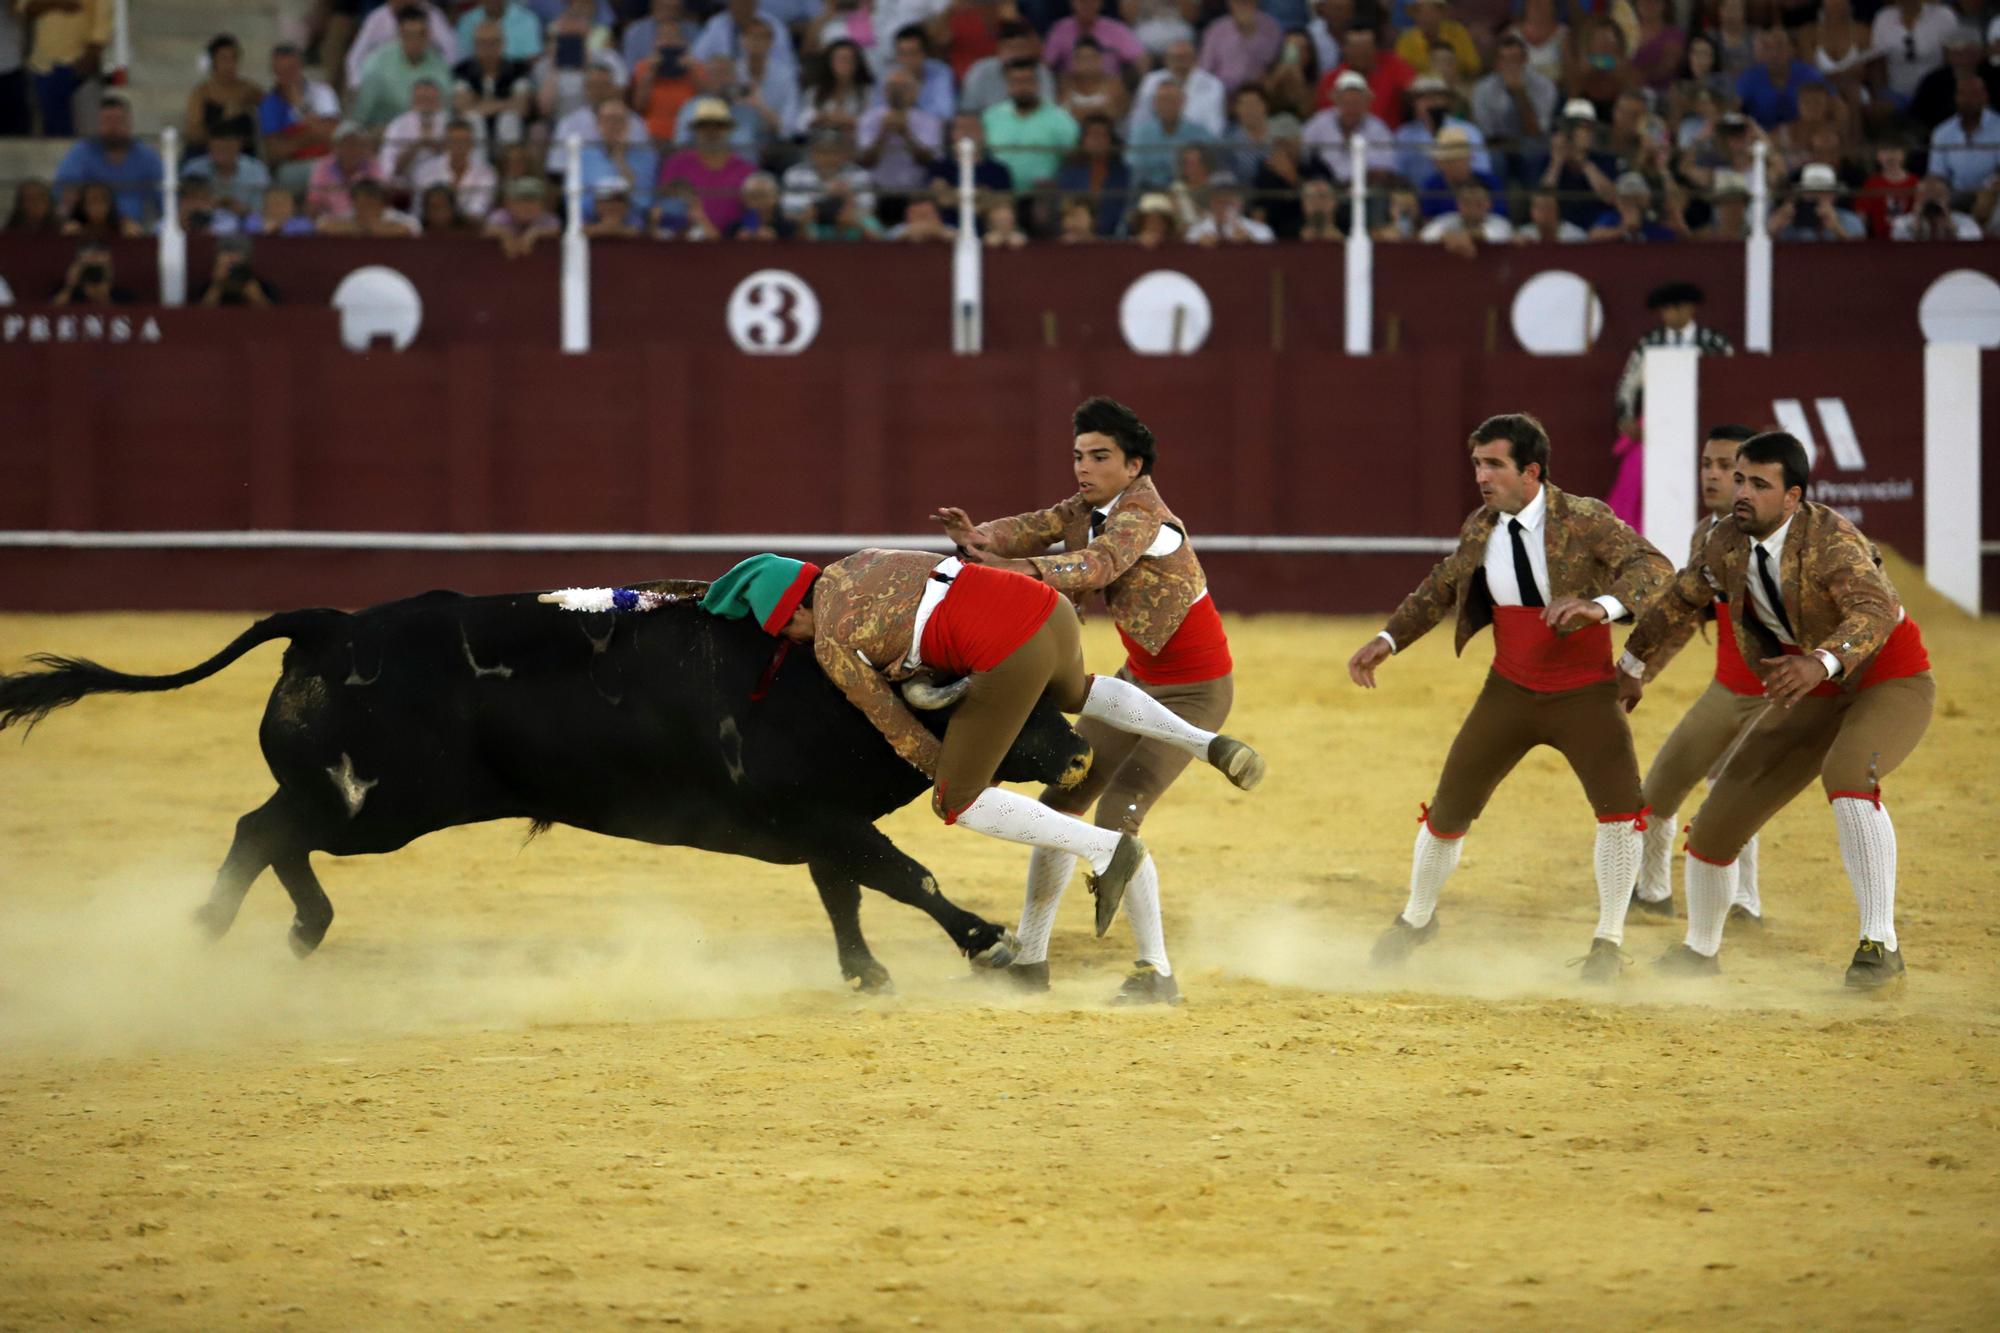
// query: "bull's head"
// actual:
[[1048, 750]]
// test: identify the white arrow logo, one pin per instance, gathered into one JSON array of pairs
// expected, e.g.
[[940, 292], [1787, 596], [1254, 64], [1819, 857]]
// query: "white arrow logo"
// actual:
[[1833, 418]]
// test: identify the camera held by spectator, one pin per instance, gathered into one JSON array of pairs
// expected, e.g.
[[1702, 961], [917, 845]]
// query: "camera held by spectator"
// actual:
[[233, 282], [90, 279]]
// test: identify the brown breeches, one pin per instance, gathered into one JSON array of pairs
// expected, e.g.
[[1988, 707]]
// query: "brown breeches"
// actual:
[[997, 703], [1129, 773], [1700, 739], [1585, 725]]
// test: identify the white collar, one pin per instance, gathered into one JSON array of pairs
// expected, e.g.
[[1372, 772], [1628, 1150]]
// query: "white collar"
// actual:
[[1533, 512], [1111, 504], [1775, 543]]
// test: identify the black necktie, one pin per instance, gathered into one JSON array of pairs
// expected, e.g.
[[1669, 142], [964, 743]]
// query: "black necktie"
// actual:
[[1097, 517], [1771, 591], [1524, 572]]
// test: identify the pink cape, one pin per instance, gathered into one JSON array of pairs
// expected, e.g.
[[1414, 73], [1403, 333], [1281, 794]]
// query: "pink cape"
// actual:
[[1628, 490]]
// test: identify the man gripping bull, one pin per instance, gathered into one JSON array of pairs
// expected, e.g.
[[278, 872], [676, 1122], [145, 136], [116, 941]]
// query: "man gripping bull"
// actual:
[[1531, 561], [1848, 687], [878, 616], [1713, 722], [1119, 539]]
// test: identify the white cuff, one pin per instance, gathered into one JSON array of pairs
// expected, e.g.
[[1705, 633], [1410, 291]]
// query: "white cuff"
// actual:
[[1631, 666], [1389, 639], [1614, 610], [1829, 661]]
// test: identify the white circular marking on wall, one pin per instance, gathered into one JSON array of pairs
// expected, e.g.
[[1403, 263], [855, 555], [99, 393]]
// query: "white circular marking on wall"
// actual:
[[378, 302], [1165, 313], [1557, 314], [1963, 306], [773, 313]]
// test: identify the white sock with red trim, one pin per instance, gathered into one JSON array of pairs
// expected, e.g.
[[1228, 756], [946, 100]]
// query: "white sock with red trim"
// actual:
[[1049, 873], [1431, 864], [1618, 846], [1012, 817], [1121, 704], [1868, 848], [1142, 909], [1656, 859], [1746, 880], [1709, 889]]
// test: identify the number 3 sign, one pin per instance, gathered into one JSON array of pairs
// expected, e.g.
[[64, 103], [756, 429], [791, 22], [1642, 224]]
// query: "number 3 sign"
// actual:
[[773, 313]]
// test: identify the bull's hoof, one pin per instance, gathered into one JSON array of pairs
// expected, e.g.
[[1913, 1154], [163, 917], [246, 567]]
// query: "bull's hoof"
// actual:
[[214, 919], [304, 938], [871, 978], [1000, 953]]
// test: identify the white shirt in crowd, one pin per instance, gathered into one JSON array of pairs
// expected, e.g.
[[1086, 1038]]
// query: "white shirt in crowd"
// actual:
[[1323, 135], [1241, 228], [474, 189], [379, 30], [582, 123], [1911, 50], [413, 127], [1494, 228], [1206, 100]]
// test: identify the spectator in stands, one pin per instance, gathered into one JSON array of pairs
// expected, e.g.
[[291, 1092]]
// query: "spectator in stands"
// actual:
[[278, 215], [1387, 74], [1404, 217], [1249, 139], [990, 177], [34, 211], [600, 85], [829, 162], [1580, 175], [1240, 45], [66, 58], [663, 84], [1599, 68], [438, 213], [1471, 223], [1326, 135], [198, 213], [767, 90], [1429, 116], [1291, 85], [1078, 223], [1888, 194], [1543, 32], [1434, 28], [1819, 110], [1453, 166], [1029, 135], [1728, 210], [1631, 216], [15, 87], [1223, 221], [415, 138], [1118, 43], [899, 141], [612, 213], [520, 31], [462, 171], [1155, 221], [936, 92], [1193, 169], [383, 29], [335, 176], [96, 215], [492, 88], [1203, 98], [665, 27], [582, 24], [296, 119], [763, 219], [1277, 190], [1330, 19], [922, 224], [1088, 88], [1096, 174], [1319, 211], [722, 36], [1965, 150], [715, 80], [1842, 50], [1910, 36], [839, 91], [1515, 108], [1545, 221], [239, 180], [1936, 99], [1701, 77], [1657, 46], [1769, 89], [612, 155], [712, 174], [1158, 24], [985, 84], [1158, 137], [839, 216], [369, 215], [1812, 212], [971, 34], [1735, 39], [1933, 218], [223, 102], [1000, 228], [393, 70], [523, 218], [91, 279], [568, 95], [113, 157], [232, 282]]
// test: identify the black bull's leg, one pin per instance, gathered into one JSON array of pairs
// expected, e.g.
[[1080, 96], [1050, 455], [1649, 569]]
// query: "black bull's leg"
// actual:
[[271, 836], [856, 855]]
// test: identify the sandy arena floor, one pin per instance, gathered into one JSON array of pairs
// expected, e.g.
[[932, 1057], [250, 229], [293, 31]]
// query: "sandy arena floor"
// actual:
[[594, 1084]]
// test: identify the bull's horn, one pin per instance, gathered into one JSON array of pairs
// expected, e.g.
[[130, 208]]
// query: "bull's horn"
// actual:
[[929, 695]]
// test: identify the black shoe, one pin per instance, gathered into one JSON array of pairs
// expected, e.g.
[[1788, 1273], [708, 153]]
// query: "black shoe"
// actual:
[[1109, 888], [1145, 984], [1739, 913], [1681, 961], [1238, 762], [1875, 965], [1604, 963], [1648, 907], [1400, 941]]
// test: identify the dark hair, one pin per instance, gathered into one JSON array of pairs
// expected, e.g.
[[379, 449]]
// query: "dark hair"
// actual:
[[412, 14], [1012, 29], [1775, 446], [914, 31], [1526, 441], [823, 77], [369, 186], [1731, 432], [1108, 416], [221, 41], [1022, 62], [286, 49]]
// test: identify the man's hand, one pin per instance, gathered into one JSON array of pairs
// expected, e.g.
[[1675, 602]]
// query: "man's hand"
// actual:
[[958, 526], [1567, 609], [1361, 666], [1630, 690], [1791, 679]]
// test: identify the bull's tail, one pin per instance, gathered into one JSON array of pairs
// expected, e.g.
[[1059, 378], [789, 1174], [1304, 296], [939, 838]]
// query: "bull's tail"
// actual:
[[33, 695]]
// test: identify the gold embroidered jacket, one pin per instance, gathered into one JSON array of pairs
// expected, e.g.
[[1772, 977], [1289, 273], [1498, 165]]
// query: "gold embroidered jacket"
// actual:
[[864, 611], [1148, 596], [1591, 553]]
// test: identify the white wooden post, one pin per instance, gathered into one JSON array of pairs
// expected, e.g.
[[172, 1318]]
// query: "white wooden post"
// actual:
[[1360, 254], [1673, 447], [968, 313], [575, 258], [1757, 257], [173, 241]]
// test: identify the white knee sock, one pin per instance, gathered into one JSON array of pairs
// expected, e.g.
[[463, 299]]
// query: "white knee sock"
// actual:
[[1049, 873], [1746, 880], [1142, 909], [1656, 861], [1709, 888], [1431, 864], [1618, 847], [1868, 848], [1121, 704], [1012, 817]]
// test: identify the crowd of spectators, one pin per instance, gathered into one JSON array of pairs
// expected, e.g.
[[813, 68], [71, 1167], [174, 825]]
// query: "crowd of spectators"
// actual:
[[1478, 122]]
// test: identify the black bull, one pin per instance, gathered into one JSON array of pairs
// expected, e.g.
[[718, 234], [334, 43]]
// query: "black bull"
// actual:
[[418, 715]]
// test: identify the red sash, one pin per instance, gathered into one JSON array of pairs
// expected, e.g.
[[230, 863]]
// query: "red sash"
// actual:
[[1731, 671], [987, 615], [1902, 654], [1198, 651], [1535, 657]]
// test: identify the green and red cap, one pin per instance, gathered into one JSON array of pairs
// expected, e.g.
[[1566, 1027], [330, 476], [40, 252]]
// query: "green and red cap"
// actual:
[[765, 588]]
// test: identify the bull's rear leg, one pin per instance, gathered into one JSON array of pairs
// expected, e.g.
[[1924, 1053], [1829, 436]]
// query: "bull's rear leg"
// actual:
[[311, 912], [863, 854], [261, 836], [842, 898]]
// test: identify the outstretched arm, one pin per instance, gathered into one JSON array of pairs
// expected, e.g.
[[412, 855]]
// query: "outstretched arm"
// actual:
[[867, 690]]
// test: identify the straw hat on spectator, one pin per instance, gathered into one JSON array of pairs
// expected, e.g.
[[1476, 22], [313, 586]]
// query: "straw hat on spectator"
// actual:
[[1633, 185], [1156, 202], [1579, 108], [712, 111], [1818, 178], [1453, 141], [1731, 185], [1351, 79]]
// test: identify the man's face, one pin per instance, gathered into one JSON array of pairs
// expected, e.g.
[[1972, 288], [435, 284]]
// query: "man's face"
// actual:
[[97, 255], [800, 628], [1934, 190], [1626, 112], [1352, 104], [523, 211], [1474, 206], [900, 90], [224, 151], [1167, 103], [1022, 86], [1970, 98], [757, 39], [1456, 168], [1891, 159], [598, 85], [458, 144], [1773, 51], [1511, 58], [1429, 106], [1678, 315], [488, 46], [666, 11], [1318, 198], [351, 152], [414, 35], [742, 11], [1358, 50], [910, 55], [1224, 205], [711, 136], [1718, 476], [1180, 59], [1243, 11], [114, 124], [1761, 500], [613, 122], [1501, 484], [1102, 470], [1096, 141], [287, 66], [1730, 212], [1087, 61], [426, 99], [1545, 214], [1249, 109]]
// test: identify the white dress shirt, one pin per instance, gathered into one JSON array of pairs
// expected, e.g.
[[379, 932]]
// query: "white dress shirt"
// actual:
[[1166, 543]]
